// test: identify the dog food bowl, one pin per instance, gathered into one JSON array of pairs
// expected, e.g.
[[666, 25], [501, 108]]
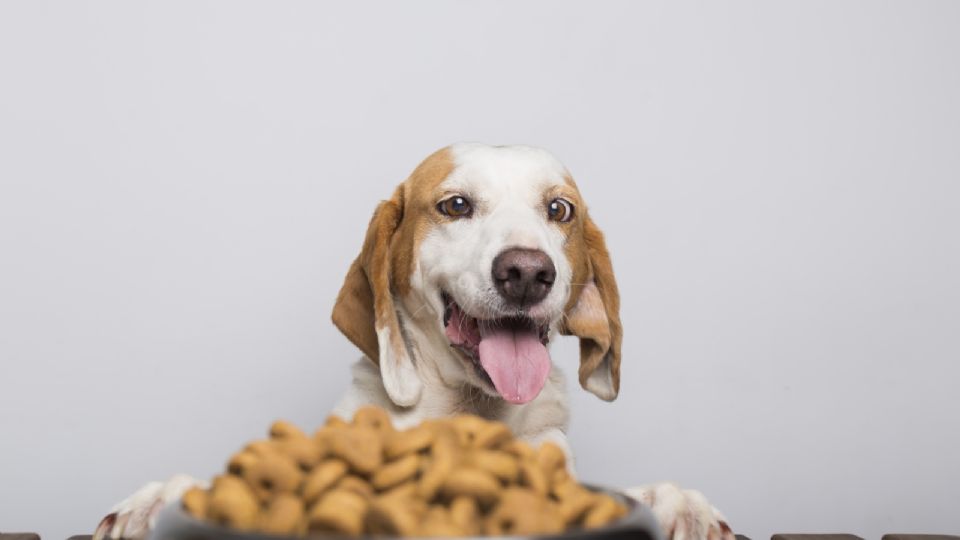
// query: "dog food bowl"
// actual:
[[174, 523]]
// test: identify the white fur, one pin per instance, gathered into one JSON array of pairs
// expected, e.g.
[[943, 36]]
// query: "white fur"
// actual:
[[684, 514], [399, 376], [506, 186]]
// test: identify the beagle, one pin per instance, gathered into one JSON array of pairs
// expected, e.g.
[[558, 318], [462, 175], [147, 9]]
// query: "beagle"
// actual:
[[480, 258]]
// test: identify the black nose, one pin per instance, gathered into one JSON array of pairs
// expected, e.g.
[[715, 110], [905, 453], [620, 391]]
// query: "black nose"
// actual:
[[523, 276]]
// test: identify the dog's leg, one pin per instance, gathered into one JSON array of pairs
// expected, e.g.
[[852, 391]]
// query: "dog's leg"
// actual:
[[133, 518], [684, 514]]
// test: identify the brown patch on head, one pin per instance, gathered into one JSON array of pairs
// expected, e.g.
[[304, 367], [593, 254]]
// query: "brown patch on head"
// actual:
[[593, 307], [364, 311], [418, 216]]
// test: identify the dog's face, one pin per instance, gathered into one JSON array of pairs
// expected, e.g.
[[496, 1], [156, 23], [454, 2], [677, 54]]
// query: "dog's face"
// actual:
[[488, 251]]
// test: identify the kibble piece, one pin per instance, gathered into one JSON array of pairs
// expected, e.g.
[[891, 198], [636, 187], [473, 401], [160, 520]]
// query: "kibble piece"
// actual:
[[465, 514], [334, 421], [437, 523], [338, 511], [396, 472], [442, 461], [533, 477], [519, 448], [400, 443], [282, 515], [471, 483], [374, 418], [228, 481], [442, 426], [322, 478], [261, 448], [273, 473], [522, 512], [241, 461], [331, 429], [563, 488], [560, 476], [394, 516], [233, 504], [604, 511], [467, 426], [195, 501], [575, 504], [407, 490], [496, 462], [304, 451], [285, 430], [357, 485], [492, 435], [361, 447], [550, 457]]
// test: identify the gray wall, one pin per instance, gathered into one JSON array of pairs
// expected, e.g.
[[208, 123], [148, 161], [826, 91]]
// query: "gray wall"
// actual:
[[185, 183]]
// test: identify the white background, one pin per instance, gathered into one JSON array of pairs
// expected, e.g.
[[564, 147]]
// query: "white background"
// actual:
[[185, 183]]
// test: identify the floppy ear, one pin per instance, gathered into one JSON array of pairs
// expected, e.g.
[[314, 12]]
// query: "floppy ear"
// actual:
[[365, 313], [595, 319]]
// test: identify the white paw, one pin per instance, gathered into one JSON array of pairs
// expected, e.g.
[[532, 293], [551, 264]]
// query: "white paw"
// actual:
[[684, 514], [133, 517]]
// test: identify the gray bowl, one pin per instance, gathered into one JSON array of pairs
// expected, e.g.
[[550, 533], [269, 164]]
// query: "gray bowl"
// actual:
[[174, 523]]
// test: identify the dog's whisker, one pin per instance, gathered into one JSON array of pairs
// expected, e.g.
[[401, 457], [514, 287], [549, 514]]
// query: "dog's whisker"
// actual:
[[419, 309]]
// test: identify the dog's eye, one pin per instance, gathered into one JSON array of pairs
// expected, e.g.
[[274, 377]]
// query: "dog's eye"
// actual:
[[560, 210], [455, 206]]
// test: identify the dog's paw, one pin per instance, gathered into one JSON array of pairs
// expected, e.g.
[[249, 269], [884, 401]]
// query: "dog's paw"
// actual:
[[133, 517], [684, 514]]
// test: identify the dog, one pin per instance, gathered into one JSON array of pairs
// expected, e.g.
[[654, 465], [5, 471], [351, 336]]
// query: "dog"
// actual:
[[478, 260]]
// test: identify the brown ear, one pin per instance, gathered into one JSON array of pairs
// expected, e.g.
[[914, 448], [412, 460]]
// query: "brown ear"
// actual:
[[365, 312], [595, 319]]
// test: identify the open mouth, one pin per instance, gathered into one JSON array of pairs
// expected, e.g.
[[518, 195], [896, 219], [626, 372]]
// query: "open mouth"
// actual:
[[509, 353]]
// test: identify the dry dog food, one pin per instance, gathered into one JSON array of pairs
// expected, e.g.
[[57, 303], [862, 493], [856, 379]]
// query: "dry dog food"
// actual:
[[462, 476]]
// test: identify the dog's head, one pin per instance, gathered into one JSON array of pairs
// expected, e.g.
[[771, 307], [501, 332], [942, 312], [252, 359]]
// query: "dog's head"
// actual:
[[486, 252]]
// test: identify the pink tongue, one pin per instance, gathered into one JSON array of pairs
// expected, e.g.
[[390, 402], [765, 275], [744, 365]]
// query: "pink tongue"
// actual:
[[516, 361]]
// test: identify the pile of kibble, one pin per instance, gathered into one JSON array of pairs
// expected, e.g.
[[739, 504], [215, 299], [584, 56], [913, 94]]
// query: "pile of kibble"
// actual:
[[462, 476]]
